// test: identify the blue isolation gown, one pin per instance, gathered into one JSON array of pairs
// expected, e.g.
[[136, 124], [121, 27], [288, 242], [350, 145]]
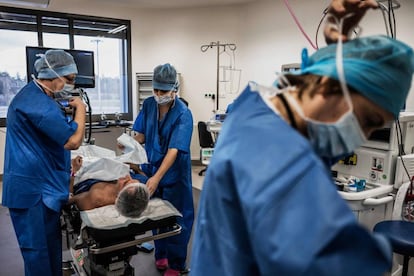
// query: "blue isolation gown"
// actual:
[[173, 131], [269, 206], [36, 176]]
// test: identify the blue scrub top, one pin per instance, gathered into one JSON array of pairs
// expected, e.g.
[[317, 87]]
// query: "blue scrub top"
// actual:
[[269, 206], [174, 131], [36, 165]]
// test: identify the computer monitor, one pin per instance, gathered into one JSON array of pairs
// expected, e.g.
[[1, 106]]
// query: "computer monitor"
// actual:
[[84, 61]]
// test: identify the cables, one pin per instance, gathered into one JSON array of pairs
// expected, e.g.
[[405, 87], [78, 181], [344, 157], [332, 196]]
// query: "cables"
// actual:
[[85, 99], [387, 10], [299, 25], [325, 12], [401, 153]]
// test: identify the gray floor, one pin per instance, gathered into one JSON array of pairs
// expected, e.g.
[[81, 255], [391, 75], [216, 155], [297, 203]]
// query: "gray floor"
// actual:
[[11, 262]]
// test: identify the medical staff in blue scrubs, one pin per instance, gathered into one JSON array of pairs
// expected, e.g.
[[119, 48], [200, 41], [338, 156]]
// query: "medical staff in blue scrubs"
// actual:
[[37, 161], [165, 125], [269, 205]]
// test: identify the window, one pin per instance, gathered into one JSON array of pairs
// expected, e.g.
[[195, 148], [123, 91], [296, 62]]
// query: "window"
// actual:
[[107, 96], [13, 64], [53, 40], [108, 38], [55, 32]]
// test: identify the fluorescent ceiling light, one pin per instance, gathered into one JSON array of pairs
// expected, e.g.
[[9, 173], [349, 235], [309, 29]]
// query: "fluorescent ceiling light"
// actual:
[[31, 3], [117, 29]]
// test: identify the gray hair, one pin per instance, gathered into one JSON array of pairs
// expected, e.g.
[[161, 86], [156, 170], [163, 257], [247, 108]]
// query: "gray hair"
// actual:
[[132, 200]]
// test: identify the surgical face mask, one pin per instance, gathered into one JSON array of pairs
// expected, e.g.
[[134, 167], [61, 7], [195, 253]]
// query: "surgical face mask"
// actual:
[[339, 139], [333, 140], [65, 92], [164, 99]]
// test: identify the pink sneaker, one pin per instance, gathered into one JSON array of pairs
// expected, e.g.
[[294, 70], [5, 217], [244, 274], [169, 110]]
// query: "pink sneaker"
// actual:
[[161, 264], [172, 272]]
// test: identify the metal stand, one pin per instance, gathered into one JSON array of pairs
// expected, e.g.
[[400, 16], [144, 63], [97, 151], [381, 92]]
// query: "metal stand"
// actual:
[[219, 45]]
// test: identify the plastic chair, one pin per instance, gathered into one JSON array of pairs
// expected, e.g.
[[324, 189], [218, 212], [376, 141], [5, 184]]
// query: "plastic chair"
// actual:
[[399, 232], [206, 142], [401, 236]]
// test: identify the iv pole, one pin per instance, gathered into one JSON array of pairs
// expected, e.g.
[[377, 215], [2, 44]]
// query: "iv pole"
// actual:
[[217, 44]]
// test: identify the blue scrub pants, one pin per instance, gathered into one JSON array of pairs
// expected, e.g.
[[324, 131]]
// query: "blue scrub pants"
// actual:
[[174, 248], [39, 235]]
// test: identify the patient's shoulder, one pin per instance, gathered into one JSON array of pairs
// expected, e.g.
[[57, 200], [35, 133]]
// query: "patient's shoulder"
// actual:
[[103, 194]]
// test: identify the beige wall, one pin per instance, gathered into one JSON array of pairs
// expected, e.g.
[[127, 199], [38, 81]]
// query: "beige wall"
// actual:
[[264, 32]]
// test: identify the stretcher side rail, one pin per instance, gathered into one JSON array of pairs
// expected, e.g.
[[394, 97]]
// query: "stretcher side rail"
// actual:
[[70, 224], [176, 230]]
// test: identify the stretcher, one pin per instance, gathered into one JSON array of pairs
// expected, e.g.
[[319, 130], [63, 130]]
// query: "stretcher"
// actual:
[[102, 241]]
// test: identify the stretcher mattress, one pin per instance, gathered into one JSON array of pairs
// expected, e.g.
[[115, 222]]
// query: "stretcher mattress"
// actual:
[[105, 223]]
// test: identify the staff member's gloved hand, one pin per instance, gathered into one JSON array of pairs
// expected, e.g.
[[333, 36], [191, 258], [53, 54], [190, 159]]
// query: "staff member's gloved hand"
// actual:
[[152, 184], [77, 103], [340, 8]]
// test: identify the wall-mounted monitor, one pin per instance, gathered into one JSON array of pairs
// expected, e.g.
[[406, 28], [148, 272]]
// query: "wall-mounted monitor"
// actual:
[[290, 67], [84, 61]]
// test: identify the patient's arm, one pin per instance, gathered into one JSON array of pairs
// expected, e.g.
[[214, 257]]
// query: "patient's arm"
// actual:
[[76, 163], [84, 201]]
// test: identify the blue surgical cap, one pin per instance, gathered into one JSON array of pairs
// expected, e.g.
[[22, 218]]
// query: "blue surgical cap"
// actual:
[[378, 67], [55, 63], [165, 78]]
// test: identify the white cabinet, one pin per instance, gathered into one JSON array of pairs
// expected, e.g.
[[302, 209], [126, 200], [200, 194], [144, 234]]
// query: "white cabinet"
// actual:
[[144, 87]]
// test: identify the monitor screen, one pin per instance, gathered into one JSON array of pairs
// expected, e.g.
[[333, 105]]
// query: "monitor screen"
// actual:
[[84, 61], [291, 67]]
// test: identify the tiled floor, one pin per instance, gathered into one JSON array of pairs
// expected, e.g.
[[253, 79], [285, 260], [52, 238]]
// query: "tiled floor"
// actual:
[[197, 180]]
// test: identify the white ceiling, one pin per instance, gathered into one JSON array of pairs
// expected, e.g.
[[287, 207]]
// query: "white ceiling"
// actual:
[[174, 3]]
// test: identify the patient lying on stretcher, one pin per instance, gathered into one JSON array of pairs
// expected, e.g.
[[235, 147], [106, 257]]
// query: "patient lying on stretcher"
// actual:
[[129, 196]]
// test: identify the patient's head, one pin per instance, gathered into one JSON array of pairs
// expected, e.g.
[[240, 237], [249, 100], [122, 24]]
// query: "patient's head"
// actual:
[[132, 200]]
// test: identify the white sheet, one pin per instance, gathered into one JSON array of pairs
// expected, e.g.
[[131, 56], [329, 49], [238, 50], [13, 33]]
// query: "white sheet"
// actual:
[[134, 152], [103, 164], [104, 169], [93, 151], [108, 217]]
